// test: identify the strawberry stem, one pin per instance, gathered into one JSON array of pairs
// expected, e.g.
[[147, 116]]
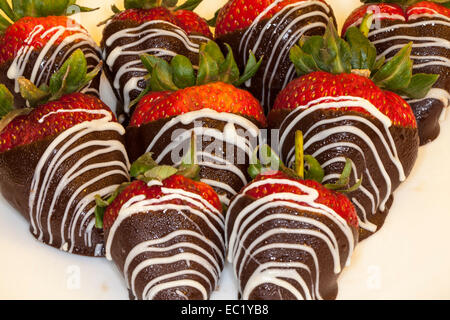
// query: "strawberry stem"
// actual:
[[6, 101], [299, 155]]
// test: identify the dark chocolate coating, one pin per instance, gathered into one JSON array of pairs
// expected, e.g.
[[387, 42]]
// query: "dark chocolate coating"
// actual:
[[273, 47], [427, 111], [154, 225], [158, 45], [406, 141], [17, 168]]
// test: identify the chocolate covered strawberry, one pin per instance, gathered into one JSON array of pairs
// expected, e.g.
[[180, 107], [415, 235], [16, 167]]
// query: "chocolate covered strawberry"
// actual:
[[148, 26], [55, 158], [427, 25], [270, 28], [289, 237], [225, 119], [36, 38], [342, 103], [165, 233]]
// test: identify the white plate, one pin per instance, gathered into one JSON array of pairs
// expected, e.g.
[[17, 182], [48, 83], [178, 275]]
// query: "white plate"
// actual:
[[408, 259]]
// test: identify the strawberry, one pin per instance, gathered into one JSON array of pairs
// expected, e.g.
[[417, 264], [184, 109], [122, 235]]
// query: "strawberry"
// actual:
[[165, 214], [26, 129], [269, 28], [32, 27], [178, 98], [189, 21], [44, 120], [218, 96], [240, 14], [56, 156], [279, 225], [347, 104], [425, 24], [173, 89]]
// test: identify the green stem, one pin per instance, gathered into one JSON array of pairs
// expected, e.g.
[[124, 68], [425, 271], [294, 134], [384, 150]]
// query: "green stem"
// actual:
[[299, 155]]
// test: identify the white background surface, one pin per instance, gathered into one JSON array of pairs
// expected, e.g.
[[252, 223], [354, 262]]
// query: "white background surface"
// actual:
[[408, 259]]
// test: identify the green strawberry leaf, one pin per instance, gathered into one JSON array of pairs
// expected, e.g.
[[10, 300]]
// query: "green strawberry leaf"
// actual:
[[70, 76], [336, 52], [208, 69], [213, 21], [312, 46], [6, 101], [102, 205], [45, 8], [74, 9], [251, 68], [364, 53], [183, 72], [366, 24], [142, 4], [162, 79], [150, 62], [378, 64], [396, 74], [180, 74], [314, 170], [228, 70], [214, 51], [304, 62], [420, 85], [31, 93], [159, 173], [169, 3]]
